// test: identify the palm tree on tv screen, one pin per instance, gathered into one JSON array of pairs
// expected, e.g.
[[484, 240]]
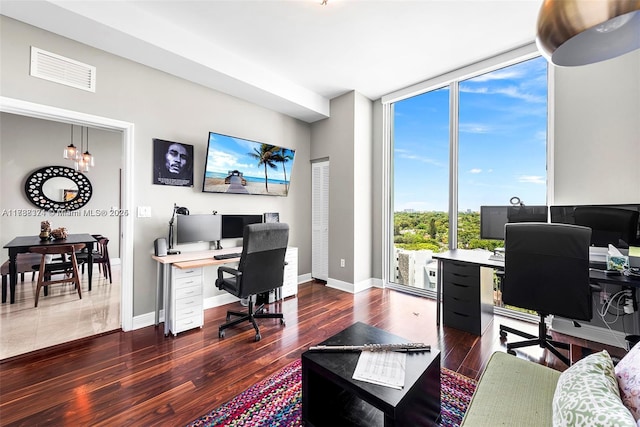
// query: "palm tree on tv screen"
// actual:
[[284, 157], [266, 156]]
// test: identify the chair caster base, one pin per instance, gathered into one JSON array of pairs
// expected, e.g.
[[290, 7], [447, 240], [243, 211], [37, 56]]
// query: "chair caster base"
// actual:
[[220, 334], [511, 352], [503, 334], [258, 337]]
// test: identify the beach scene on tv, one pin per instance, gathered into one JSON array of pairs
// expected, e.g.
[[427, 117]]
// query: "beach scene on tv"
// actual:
[[240, 166]]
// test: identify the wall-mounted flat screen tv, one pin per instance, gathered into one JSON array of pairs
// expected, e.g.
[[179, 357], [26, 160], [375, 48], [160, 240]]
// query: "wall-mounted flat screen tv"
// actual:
[[240, 166]]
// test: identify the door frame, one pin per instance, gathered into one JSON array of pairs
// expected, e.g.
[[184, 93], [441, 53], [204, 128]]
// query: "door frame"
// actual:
[[47, 112]]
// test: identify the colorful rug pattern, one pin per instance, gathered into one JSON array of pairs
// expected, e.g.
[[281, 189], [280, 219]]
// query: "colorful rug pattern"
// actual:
[[277, 401]]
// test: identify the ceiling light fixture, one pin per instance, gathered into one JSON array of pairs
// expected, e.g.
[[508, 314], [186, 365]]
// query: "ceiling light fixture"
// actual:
[[71, 151], [86, 156], [82, 161], [579, 32]]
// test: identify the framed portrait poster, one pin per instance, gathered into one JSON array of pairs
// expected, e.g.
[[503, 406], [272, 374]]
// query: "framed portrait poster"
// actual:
[[172, 163]]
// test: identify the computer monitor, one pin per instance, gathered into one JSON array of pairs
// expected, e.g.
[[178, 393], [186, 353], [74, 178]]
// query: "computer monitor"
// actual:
[[492, 221], [233, 225], [493, 218], [618, 225], [198, 228]]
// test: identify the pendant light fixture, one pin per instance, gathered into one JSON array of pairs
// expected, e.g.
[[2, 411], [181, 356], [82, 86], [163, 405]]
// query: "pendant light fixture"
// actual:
[[86, 156], [579, 32], [71, 151], [83, 160]]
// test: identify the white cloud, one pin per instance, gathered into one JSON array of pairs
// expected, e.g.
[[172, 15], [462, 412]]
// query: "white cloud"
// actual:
[[474, 128], [532, 179], [510, 91], [405, 154], [475, 170], [499, 75]]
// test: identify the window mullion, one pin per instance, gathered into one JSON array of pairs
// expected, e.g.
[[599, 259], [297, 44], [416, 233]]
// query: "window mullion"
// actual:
[[454, 98]]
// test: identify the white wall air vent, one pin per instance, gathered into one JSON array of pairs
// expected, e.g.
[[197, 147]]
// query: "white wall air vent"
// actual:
[[56, 68]]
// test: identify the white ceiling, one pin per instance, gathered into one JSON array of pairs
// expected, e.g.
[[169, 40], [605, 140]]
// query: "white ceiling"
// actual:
[[292, 56]]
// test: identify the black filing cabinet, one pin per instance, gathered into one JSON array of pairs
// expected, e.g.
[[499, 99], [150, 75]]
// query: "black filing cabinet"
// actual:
[[467, 296]]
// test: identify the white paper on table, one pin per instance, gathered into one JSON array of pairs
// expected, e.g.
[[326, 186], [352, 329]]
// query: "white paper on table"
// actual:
[[385, 368]]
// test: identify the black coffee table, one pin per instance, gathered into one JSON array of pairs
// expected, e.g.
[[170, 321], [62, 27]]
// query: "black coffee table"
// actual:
[[331, 397]]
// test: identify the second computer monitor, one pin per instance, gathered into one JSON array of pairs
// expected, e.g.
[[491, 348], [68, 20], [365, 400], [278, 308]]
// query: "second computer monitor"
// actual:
[[618, 225], [493, 218], [233, 225]]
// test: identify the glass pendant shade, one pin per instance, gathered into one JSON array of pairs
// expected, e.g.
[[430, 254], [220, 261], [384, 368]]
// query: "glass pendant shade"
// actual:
[[579, 32], [70, 152], [88, 158], [82, 161], [81, 165]]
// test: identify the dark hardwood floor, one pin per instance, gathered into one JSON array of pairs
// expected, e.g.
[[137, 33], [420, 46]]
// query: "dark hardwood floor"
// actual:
[[141, 378]]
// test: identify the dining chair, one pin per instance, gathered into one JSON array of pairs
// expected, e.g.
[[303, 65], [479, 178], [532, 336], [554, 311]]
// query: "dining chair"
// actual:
[[24, 262], [100, 256], [47, 269]]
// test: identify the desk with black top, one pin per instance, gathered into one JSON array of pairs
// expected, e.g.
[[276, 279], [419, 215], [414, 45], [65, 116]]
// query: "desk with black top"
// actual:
[[21, 244], [467, 297], [331, 397]]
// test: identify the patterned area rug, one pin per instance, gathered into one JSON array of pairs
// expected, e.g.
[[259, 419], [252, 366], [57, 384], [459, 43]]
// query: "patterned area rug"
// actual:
[[277, 401]]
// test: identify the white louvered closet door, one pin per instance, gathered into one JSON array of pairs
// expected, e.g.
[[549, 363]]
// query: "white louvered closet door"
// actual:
[[320, 221]]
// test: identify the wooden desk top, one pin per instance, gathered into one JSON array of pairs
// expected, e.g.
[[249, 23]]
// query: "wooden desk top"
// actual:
[[198, 258]]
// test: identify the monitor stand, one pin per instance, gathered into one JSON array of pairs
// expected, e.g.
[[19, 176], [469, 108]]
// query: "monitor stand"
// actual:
[[497, 255]]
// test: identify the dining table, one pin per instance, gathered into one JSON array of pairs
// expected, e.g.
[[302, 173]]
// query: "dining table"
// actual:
[[21, 244]]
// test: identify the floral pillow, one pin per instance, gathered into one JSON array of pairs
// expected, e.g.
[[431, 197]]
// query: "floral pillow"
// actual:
[[628, 375], [587, 395]]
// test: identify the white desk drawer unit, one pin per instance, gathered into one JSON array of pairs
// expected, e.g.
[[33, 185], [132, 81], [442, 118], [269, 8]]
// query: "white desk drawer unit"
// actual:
[[186, 299], [290, 278]]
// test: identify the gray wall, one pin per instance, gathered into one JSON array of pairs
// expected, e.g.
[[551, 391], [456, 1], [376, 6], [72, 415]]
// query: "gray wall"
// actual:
[[333, 138], [27, 144], [597, 132], [345, 138], [162, 106]]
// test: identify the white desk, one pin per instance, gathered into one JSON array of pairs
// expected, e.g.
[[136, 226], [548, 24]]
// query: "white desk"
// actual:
[[184, 281], [184, 261]]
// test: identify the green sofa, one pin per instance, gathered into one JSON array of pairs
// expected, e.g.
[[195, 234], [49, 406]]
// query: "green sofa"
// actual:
[[512, 391]]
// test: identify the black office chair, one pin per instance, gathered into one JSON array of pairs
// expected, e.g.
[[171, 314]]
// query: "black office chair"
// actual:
[[615, 226], [261, 269], [547, 271]]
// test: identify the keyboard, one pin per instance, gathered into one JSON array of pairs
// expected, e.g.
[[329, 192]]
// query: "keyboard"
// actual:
[[227, 256]]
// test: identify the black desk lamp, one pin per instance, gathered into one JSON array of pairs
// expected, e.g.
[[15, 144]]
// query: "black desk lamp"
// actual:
[[180, 210]]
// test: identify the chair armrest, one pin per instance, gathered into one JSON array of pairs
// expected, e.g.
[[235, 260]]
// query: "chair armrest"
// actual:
[[223, 269], [232, 271]]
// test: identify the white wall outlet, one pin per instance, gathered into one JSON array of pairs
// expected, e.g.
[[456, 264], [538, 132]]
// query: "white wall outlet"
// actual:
[[341, 262], [604, 297], [144, 211]]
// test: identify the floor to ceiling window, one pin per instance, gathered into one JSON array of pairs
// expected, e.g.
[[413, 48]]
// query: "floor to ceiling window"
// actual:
[[420, 194], [479, 139]]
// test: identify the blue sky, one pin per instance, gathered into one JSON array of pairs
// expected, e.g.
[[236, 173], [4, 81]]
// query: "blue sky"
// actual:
[[227, 153], [502, 140]]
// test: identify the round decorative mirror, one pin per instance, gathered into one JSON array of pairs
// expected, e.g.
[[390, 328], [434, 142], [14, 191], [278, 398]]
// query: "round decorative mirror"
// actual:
[[58, 188]]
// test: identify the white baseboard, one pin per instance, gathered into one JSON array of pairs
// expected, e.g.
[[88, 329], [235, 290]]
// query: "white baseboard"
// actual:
[[352, 288], [148, 319], [304, 278], [589, 332]]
